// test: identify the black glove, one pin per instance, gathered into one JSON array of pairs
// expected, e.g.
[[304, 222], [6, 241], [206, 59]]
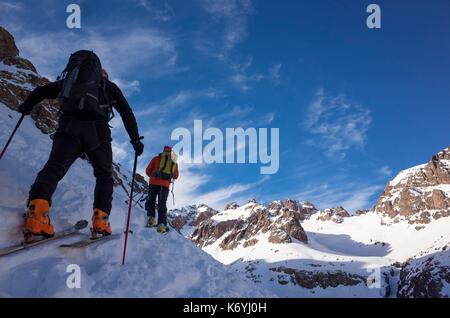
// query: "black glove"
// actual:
[[25, 109], [138, 146]]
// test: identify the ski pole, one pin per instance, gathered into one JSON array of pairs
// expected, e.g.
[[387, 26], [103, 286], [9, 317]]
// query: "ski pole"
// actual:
[[173, 195], [130, 204], [12, 135]]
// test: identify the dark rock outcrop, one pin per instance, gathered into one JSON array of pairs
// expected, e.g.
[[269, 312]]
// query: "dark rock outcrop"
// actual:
[[424, 277], [304, 209], [231, 206], [313, 279]]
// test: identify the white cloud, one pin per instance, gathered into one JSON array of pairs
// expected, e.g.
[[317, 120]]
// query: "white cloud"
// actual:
[[120, 150], [242, 77], [128, 87], [274, 73], [188, 189], [122, 52], [160, 13], [243, 81], [339, 124], [176, 101], [385, 171], [234, 15], [10, 6], [351, 196]]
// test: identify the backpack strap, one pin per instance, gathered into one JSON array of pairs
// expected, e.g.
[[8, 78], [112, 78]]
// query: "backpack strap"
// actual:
[[165, 162]]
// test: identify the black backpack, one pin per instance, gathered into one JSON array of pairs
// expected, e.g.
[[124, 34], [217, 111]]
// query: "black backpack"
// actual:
[[83, 89]]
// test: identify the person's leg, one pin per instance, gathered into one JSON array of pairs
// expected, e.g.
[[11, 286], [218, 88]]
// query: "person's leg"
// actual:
[[101, 160], [162, 205], [65, 150], [151, 200]]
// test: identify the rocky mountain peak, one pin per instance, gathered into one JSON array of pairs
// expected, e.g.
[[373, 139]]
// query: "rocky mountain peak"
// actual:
[[336, 214], [304, 209], [231, 206], [8, 46], [419, 194], [18, 77], [238, 226]]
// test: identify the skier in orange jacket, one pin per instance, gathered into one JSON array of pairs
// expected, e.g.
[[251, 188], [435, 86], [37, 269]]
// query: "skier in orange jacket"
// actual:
[[162, 170]]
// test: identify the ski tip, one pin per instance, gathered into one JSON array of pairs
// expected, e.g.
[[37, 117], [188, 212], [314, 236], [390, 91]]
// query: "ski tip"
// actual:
[[81, 225]]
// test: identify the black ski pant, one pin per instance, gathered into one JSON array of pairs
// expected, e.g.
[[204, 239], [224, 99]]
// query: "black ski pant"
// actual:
[[160, 192], [73, 138]]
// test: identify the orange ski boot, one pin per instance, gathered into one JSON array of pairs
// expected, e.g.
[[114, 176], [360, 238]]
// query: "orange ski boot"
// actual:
[[100, 224], [37, 220]]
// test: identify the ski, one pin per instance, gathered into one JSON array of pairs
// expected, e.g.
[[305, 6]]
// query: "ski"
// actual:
[[89, 241], [58, 235]]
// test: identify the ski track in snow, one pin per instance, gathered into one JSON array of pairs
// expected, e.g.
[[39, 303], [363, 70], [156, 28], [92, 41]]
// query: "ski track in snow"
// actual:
[[156, 265]]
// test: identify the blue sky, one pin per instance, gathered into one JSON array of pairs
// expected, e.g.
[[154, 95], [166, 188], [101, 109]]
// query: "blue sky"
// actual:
[[354, 106]]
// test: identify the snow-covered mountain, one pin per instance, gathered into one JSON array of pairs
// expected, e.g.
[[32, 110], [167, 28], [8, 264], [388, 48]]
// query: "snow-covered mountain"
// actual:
[[400, 248], [157, 266], [327, 254]]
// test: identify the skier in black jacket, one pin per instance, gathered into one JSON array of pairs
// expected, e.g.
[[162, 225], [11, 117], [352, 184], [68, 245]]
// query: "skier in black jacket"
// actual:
[[77, 134]]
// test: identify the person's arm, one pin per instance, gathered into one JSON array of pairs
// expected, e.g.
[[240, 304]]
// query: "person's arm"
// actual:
[[149, 169], [40, 93], [176, 173], [125, 111]]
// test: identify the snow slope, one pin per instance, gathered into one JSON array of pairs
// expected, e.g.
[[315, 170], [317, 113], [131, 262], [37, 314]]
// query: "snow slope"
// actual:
[[157, 266], [361, 246]]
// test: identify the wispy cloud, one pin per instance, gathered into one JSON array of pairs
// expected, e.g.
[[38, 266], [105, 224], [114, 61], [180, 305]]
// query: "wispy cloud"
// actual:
[[385, 171], [352, 196], [10, 6], [274, 73], [121, 52], [338, 124], [178, 100], [242, 77], [189, 189], [128, 87], [232, 15], [161, 12]]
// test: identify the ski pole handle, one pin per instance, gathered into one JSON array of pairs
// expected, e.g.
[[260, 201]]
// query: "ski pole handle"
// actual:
[[12, 135]]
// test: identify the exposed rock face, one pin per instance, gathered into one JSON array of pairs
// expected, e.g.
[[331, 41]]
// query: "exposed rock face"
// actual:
[[361, 212], [419, 194], [140, 184], [231, 206], [313, 279], [192, 215], [18, 77], [280, 226], [8, 46], [425, 277], [336, 215], [303, 210]]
